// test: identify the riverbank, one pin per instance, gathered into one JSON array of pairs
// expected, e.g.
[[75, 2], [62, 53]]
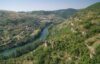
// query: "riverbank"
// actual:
[[18, 51]]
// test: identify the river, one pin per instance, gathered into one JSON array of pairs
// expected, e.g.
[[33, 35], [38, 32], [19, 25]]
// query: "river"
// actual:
[[13, 52]]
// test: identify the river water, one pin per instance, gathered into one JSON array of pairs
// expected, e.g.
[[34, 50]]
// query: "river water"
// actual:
[[43, 35]]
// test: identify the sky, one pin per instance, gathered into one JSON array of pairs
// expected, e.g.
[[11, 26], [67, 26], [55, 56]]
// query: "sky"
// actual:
[[32, 5]]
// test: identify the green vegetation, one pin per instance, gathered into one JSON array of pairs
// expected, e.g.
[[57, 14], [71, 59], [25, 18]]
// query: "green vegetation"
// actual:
[[73, 41]]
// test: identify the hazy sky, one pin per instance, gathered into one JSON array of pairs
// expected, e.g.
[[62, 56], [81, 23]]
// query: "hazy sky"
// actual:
[[29, 5]]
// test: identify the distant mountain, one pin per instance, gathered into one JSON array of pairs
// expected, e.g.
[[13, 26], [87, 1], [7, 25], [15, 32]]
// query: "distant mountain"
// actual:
[[65, 13], [39, 15]]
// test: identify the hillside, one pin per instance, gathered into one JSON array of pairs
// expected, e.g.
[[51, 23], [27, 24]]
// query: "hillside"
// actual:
[[53, 16], [95, 6], [22, 30], [75, 40]]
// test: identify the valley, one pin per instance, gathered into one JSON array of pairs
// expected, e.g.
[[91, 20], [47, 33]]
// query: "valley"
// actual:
[[66, 36]]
